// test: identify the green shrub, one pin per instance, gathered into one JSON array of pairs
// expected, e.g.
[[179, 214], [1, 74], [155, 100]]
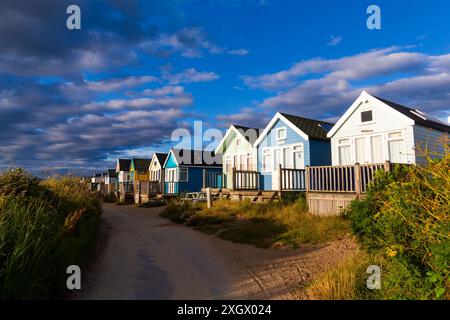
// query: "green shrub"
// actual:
[[406, 217], [45, 226]]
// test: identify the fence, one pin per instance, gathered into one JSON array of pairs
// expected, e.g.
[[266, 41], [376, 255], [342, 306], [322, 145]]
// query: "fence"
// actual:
[[292, 179], [245, 180], [149, 187], [125, 187], [213, 180], [342, 179]]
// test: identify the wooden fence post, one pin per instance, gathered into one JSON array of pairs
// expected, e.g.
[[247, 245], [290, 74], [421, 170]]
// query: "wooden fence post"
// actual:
[[233, 178], [307, 178], [280, 178], [139, 193], [357, 173], [204, 178], [208, 197], [162, 178], [387, 166]]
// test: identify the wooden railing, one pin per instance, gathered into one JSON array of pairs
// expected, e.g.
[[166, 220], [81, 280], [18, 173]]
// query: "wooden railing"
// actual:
[[149, 187], [213, 179], [125, 187], [245, 180], [291, 179], [346, 179]]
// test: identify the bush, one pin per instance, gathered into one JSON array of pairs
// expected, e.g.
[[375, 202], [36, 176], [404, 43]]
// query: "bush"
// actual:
[[110, 198], [45, 226], [406, 217]]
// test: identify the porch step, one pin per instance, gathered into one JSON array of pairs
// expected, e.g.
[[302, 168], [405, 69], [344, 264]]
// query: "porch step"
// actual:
[[266, 196]]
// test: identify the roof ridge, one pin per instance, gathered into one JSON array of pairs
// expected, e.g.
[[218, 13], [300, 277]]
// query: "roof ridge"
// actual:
[[301, 117]]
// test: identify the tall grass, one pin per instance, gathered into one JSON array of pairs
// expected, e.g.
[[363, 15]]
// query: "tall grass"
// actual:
[[263, 225], [44, 227]]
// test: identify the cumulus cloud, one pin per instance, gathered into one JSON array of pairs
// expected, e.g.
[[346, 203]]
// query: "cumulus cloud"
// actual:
[[188, 76], [324, 88], [190, 42], [249, 116], [120, 83]]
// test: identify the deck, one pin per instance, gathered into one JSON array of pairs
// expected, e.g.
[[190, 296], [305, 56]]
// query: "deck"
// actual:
[[329, 189]]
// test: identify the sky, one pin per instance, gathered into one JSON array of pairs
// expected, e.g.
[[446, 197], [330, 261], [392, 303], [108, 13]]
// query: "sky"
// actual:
[[75, 100]]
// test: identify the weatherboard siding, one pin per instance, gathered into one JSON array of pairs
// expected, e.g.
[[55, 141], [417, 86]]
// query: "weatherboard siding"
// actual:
[[428, 139], [270, 141], [320, 152], [231, 150], [385, 120], [195, 176]]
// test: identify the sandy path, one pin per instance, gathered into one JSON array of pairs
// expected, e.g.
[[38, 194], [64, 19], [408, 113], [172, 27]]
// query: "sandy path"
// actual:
[[144, 256]]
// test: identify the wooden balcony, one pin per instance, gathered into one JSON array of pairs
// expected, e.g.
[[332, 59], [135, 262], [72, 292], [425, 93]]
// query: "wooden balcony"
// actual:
[[329, 189]]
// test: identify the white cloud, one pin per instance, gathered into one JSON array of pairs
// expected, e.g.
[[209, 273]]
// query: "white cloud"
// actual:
[[324, 88], [238, 52], [188, 76], [334, 41], [120, 83], [189, 42]]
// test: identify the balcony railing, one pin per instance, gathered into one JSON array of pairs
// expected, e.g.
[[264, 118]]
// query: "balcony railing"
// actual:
[[345, 179]]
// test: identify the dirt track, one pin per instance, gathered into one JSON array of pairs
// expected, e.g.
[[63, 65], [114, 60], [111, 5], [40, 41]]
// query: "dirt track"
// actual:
[[144, 256]]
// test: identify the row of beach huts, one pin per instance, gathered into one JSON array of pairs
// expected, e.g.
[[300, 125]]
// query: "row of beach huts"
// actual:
[[332, 162]]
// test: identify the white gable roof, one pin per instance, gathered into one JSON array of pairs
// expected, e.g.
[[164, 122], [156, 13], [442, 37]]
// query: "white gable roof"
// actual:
[[230, 130], [363, 97]]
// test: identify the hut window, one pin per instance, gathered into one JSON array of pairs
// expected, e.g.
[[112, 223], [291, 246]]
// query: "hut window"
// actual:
[[366, 116], [281, 133], [238, 142], [242, 161], [298, 157], [344, 152], [228, 164], [184, 173], [250, 160], [267, 160]]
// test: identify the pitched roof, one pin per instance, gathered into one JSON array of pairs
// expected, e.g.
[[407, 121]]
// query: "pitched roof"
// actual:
[[124, 164], [141, 164], [315, 129], [418, 116], [161, 157], [248, 133], [196, 158]]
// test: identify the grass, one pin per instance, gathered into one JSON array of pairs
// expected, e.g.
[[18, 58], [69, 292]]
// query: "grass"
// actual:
[[346, 281], [263, 225], [45, 226]]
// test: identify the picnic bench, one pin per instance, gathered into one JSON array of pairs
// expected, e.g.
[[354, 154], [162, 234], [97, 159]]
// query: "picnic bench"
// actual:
[[194, 197]]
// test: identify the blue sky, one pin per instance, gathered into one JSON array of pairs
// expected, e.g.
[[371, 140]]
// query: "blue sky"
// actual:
[[137, 70]]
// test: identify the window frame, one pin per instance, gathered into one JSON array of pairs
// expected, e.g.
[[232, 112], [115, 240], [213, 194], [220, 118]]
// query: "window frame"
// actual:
[[267, 152], [187, 174], [369, 121], [278, 130]]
